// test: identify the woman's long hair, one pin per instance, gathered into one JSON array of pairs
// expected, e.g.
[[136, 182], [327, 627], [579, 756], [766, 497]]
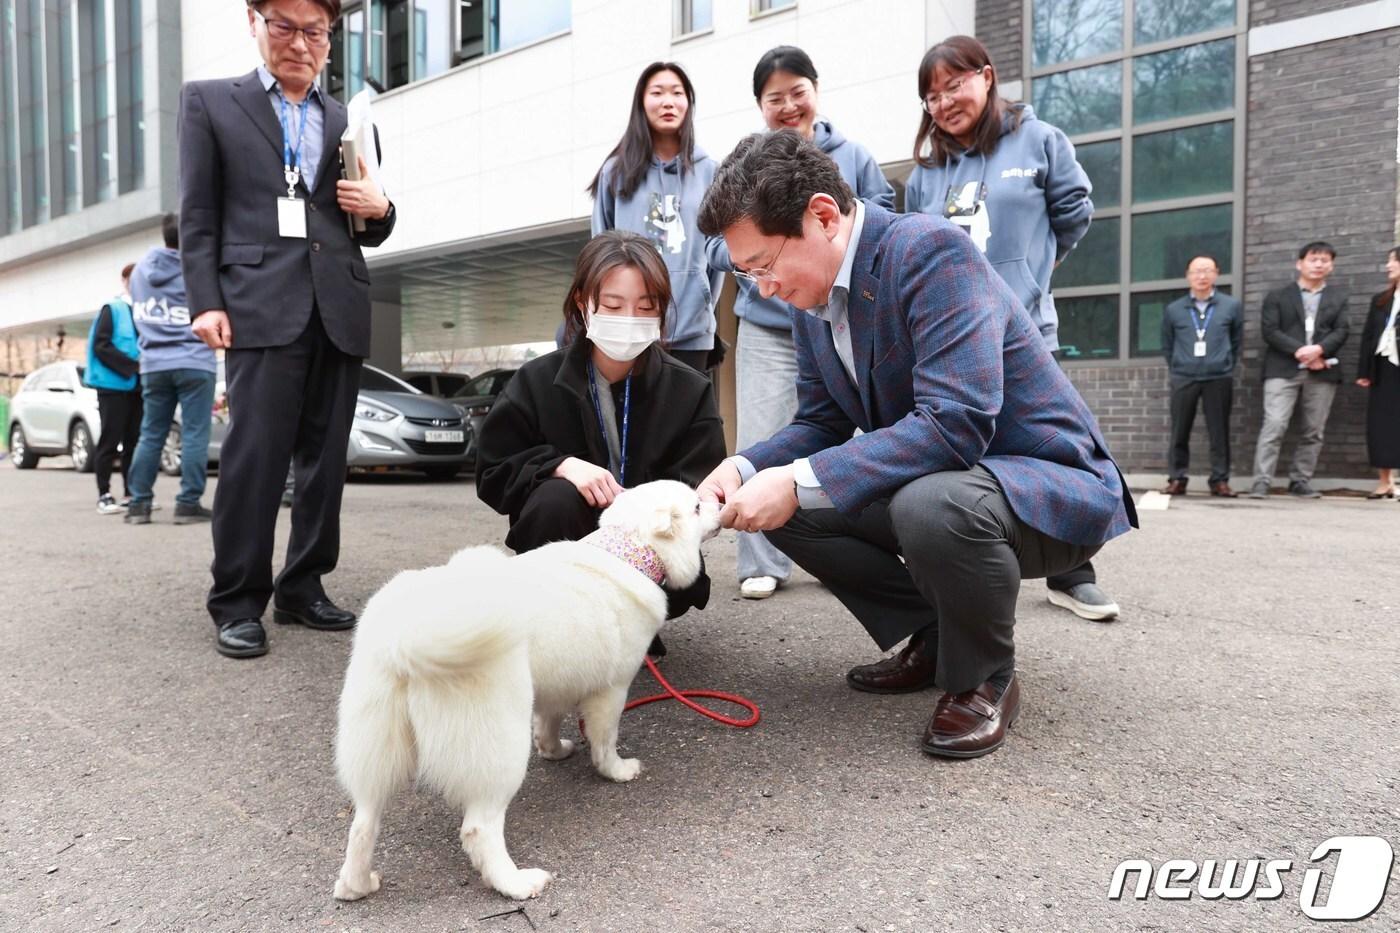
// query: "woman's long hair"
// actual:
[[634, 150], [960, 54], [609, 250]]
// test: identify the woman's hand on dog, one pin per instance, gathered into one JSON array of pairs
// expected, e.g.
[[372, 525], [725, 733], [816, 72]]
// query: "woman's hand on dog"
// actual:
[[597, 486], [723, 481]]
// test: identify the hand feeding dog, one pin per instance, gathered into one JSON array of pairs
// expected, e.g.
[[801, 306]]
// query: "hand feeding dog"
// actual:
[[448, 660]]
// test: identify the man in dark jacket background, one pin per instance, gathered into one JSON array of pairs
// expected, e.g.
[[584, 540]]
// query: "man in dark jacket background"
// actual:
[[1202, 334], [1304, 325], [112, 364]]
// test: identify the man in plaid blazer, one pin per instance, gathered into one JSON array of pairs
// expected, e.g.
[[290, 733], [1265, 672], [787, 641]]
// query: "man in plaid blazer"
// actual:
[[976, 464]]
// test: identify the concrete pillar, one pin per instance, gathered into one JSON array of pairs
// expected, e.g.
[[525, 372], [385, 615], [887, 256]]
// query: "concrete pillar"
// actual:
[[386, 336]]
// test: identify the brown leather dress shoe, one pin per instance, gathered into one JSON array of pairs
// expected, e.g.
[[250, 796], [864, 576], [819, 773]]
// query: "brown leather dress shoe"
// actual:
[[910, 670], [967, 725], [1175, 487], [1223, 490]]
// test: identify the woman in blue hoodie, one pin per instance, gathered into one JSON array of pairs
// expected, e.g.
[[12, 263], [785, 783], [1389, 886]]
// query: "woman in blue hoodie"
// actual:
[[1013, 183], [785, 89], [652, 183]]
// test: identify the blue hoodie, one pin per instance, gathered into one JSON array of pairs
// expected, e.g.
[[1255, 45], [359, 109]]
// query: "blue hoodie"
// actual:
[[1036, 207], [664, 209], [162, 315], [860, 170]]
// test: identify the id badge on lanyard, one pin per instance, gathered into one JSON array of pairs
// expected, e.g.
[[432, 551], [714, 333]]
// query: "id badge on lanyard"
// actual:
[[291, 210], [1200, 347]]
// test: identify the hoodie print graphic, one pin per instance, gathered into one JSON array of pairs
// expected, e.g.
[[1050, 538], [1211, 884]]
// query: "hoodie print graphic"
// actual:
[[664, 225], [967, 207]]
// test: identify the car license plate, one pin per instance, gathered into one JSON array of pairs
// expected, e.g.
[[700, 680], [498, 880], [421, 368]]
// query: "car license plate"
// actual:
[[444, 437]]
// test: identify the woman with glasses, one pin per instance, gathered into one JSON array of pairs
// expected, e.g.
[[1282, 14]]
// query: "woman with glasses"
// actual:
[[785, 89], [1013, 183], [607, 411], [651, 184]]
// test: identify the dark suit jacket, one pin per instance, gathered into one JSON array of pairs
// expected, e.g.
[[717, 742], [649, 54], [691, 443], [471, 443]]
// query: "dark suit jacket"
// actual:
[[1284, 331], [1371, 334], [230, 250], [952, 372]]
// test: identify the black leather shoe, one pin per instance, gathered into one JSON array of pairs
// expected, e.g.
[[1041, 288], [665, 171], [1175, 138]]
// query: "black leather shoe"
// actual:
[[322, 614], [910, 670], [241, 638]]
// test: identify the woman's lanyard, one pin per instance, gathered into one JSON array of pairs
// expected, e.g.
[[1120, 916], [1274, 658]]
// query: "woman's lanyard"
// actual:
[[291, 158], [626, 416]]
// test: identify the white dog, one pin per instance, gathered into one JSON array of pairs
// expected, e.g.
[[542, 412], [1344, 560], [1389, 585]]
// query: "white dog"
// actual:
[[447, 661]]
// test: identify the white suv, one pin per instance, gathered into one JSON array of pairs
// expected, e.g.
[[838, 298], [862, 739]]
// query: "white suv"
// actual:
[[52, 415]]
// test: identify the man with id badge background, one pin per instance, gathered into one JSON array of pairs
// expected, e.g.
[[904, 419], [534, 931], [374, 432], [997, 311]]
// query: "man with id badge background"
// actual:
[[1202, 336], [275, 279]]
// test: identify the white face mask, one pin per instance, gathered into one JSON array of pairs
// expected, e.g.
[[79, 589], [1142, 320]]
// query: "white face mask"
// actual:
[[620, 337]]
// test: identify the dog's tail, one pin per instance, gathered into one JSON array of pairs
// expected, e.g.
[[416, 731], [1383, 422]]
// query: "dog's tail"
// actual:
[[464, 620]]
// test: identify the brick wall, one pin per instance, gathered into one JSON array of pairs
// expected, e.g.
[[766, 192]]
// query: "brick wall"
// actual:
[[999, 28], [1321, 141], [1264, 12]]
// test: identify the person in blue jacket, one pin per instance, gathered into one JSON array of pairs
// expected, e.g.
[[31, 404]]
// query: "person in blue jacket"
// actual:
[[652, 184], [113, 361], [1013, 183], [785, 88]]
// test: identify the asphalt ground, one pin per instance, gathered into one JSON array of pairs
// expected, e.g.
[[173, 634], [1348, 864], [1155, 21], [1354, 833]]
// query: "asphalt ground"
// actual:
[[1245, 706]]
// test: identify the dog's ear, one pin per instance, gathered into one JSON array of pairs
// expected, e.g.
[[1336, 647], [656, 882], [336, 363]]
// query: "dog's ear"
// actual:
[[664, 521]]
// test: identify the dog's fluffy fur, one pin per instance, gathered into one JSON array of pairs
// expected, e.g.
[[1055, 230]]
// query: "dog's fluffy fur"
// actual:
[[447, 661]]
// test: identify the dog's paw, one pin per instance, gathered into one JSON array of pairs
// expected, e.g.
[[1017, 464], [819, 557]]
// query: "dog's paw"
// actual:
[[562, 750], [347, 892], [622, 770], [525, 884]]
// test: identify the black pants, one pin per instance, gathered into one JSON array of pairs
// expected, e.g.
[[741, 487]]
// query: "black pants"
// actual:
[[1216, 397], [294, 404], [121, 424], [556, 511], [965, 554]]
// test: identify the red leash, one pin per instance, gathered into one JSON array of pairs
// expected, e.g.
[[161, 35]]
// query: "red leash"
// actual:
[[683, 696]]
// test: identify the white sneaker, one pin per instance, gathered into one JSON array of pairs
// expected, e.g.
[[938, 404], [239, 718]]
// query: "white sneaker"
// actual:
[[106, 505], [758, 587]]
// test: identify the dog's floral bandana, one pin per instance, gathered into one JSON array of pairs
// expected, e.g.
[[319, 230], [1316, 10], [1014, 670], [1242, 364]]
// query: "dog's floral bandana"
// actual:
[[621, 544]]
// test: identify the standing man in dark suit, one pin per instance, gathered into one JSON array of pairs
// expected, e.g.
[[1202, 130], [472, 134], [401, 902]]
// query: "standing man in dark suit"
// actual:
[[275, 279], [1202, 335], [1304, 324], [978, 462]]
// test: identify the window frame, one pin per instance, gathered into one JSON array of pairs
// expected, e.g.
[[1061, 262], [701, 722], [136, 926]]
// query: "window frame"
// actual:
[[1127, 131]]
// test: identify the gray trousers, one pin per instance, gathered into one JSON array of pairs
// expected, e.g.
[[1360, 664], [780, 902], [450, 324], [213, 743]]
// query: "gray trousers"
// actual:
[[964, 555], [766, 401], [1281, 396]]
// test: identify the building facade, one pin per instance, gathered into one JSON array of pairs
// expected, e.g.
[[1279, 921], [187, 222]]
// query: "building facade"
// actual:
[[1242, 127]]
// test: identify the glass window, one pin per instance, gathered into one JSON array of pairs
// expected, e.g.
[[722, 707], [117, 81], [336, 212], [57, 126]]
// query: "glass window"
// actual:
[[345, 68], [131, 123], [760, 6], [516, 22], [95, 103], [68, 111], [29, 27], [1164, 241], [1068, 30], [471, 31], [1184, 163], [432, 20], [1103, 163], [1088, 327], [1182, 82], [1086, 100], [9, 126], [1095, 260], [1155, 20], [694, 16]]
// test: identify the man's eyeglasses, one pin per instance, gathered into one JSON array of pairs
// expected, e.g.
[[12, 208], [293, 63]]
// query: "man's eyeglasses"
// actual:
[[757, 275], [283, 31], [945, 96]]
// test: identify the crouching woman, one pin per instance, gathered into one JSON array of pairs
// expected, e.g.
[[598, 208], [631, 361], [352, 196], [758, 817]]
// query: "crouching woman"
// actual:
[[607, 411]]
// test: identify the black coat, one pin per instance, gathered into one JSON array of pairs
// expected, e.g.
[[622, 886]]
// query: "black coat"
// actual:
[[1281, 323], [1371, 335], [545, 414], [230, 250]]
